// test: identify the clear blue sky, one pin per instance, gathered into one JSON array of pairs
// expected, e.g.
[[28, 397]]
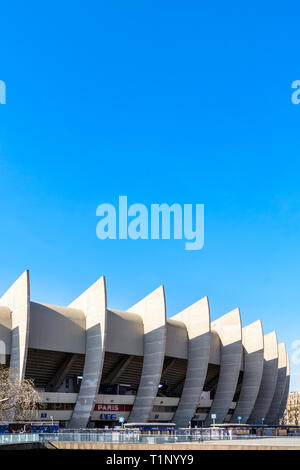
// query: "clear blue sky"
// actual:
[[162, 102]]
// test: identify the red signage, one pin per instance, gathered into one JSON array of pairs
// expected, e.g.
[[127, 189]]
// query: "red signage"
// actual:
[[113, 408]]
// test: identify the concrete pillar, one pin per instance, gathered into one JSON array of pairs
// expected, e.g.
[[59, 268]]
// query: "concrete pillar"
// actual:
[[271, 417], [253, 350], [93, 304], [268, 381], [17, 299], [152, 309], [285, 394], [197, 321], [229, 329]]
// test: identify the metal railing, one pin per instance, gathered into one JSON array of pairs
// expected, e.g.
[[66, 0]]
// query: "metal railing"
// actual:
[[135, 438]]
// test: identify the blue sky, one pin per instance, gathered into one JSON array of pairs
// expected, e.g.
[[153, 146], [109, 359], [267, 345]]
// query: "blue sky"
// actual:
[[173, 102]]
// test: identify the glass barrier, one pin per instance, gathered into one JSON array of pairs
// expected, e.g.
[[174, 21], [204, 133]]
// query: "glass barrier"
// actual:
[[122, 437]]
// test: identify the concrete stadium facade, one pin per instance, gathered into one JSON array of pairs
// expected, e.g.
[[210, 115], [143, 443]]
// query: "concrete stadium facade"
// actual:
[[93, 364]]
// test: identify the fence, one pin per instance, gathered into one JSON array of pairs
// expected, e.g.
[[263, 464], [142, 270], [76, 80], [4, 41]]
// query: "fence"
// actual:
[[135, 438]]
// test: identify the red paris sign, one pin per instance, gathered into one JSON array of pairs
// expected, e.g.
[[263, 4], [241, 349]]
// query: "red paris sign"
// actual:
[[113, 408]]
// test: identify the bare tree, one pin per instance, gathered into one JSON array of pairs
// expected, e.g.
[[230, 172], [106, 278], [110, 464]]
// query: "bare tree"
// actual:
[[284, 419], [18, 398]]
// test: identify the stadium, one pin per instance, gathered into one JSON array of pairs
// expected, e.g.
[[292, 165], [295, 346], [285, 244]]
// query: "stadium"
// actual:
[[94, 365]]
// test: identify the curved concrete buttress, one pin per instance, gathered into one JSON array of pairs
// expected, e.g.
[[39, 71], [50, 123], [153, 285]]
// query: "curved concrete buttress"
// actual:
[[229, 329], [17, 299], [268, 381], [177, 339], [197, 321], [56, 328], [285, 394], [275, 405], [125, 333], [253, 348], [93, 303], [152, 309], [215, 349]]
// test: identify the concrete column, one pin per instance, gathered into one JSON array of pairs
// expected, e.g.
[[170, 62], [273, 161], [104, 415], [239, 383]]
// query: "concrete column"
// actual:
[[229, 329], [253, 349], [152, 309], [17, 299], [285, 394], [271, 417], [268, 381], [197, 321], [93, 304]]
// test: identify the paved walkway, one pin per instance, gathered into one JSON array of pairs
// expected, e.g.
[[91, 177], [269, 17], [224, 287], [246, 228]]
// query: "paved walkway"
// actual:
[[265, 441], [276, 443]]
